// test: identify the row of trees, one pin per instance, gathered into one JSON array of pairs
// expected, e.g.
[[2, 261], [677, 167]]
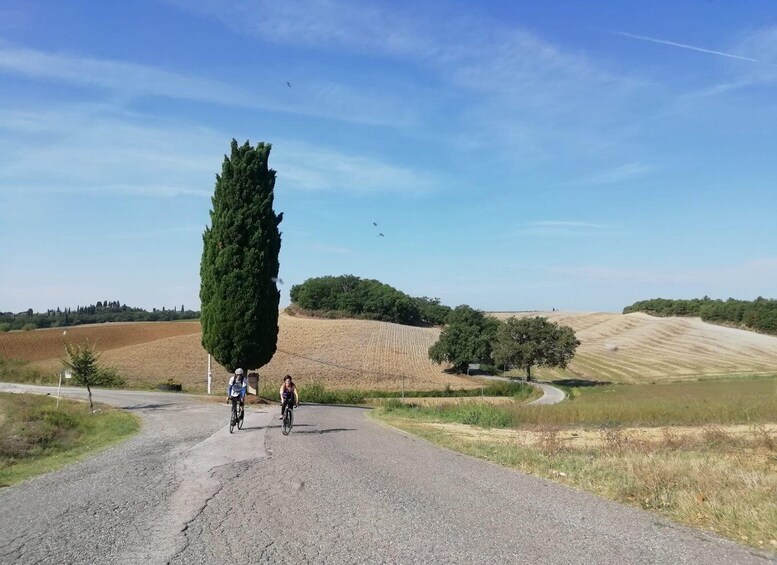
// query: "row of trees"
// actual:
[[354, 297], [472, 337], [759, 314], [92, 314]]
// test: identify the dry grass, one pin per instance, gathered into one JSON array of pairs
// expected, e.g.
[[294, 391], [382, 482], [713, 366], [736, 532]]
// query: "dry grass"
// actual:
[[637, 348], [719, 478]]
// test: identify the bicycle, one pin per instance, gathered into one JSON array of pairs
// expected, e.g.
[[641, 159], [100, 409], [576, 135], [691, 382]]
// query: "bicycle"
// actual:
[[288, 419], [237, 416]]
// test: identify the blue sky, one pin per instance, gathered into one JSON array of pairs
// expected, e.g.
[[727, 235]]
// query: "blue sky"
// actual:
[[516, 156]]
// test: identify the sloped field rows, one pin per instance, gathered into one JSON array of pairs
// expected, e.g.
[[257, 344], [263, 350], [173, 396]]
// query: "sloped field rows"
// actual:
[[367, 354], [638, 348]]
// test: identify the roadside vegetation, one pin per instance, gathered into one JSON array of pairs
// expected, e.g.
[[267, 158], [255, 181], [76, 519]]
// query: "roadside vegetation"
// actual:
[[316, 392], [703, 453], [37, 437]]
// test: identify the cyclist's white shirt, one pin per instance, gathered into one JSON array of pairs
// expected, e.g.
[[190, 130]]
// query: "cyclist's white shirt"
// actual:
[[235, 391]]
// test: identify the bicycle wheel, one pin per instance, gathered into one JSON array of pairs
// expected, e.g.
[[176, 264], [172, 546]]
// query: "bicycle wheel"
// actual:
[[240, 418], [288, 420], [233, 418]]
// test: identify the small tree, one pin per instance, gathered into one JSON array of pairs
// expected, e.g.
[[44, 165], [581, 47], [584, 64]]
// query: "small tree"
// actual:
[[82, 360], [527, 342], [467, 338]]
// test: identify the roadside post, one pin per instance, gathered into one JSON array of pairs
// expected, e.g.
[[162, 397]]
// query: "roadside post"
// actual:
[[62, 374], [210, 374]]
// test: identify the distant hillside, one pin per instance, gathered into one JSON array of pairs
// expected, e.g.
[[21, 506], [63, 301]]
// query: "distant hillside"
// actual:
[[641, 348], [759, 315], [101, 312], [634, 348]]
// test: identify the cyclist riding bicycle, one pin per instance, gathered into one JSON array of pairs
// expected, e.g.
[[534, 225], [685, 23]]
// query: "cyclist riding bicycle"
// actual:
[[289, 395], [236, 391]]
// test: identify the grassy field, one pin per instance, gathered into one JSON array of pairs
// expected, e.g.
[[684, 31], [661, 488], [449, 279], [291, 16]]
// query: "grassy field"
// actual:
[[703, 453], [36, 437], [317, 392], [369, 355]]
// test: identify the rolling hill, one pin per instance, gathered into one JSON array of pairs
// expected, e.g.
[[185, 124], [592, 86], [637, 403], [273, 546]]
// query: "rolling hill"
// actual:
[[628, 348]]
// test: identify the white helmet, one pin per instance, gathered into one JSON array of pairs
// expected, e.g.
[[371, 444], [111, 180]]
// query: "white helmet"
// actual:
[[239, 371]]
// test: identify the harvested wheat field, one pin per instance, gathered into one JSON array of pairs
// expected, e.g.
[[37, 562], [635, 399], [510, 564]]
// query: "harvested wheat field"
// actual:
[[634, 348], [39, 345], [365, 354], [341, 353]]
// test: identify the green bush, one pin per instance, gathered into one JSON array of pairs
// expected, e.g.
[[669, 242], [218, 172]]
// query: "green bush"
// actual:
[[29, 327], [109, 377], [5, 327]]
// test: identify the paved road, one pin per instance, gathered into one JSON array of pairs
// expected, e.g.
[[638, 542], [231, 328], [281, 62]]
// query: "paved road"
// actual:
[[550, 393], [339, 489]]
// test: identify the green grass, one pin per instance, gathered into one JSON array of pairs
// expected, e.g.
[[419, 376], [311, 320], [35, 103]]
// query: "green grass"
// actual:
[[37, 437], [316, 392], [12, 371], [743, 401]]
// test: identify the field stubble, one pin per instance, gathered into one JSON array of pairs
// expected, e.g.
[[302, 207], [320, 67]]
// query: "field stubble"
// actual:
[[343, 354]]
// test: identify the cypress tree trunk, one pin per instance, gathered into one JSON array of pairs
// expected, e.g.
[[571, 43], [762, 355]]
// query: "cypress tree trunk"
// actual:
[[239, 266]]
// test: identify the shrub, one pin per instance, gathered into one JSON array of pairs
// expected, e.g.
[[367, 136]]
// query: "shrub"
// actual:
[[5, 327], [109, 377], [29, 327]]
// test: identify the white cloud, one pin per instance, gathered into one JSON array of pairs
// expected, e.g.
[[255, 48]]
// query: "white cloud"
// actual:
[[312, 168], [503, 85], [562, 228], [684, 46], [618, 174], [115, 75], [98, 150], [570, 224], [322, 99]]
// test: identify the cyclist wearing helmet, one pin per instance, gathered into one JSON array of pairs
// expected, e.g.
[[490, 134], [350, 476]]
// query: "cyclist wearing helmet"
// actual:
[[236, 391], [289, 395]]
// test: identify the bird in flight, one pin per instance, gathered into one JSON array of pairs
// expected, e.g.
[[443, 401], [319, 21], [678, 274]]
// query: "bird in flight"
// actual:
[[375, 224], [381, 235], [288, 84]]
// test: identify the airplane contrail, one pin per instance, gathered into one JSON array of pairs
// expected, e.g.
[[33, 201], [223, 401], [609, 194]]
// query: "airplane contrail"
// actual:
[[682, 45]]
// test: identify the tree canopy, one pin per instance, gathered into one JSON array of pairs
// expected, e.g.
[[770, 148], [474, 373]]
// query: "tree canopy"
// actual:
[[467, 338], [529, 342], [239, 267], [351, 296], [759, 314]]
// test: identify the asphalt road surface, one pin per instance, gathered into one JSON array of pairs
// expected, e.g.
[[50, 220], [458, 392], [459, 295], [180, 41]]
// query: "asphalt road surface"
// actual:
[[339, 489]]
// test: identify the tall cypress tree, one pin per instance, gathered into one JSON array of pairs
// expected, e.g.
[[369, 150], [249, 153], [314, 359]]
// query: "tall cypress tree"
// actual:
[[239, 267]]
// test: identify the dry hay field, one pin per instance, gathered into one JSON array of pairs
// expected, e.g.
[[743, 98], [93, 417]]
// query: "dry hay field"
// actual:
[[341, 353], [636, 348], [364, 354], [46, 344]]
